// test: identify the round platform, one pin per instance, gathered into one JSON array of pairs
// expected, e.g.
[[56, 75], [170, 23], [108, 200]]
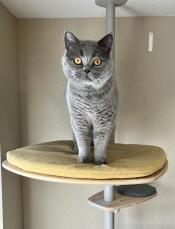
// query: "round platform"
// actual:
[[55, 161]]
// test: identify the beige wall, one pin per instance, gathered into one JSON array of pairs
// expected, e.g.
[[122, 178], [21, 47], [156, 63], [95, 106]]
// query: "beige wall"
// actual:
[[146, 114], [9, 119]]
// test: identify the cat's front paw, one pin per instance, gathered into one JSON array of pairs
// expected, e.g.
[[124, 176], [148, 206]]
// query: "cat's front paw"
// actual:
[[100, 160], [75, 149], [85, 159]]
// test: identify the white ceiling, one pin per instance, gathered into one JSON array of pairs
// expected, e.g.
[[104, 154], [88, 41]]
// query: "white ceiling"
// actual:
[[86, 8]]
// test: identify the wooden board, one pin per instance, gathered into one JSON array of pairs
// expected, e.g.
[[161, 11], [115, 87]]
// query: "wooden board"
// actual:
[[120, 201], [142, 180]]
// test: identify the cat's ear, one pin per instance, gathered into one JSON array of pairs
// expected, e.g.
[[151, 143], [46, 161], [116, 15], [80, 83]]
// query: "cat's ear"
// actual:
[[106, 43], [70, 40]]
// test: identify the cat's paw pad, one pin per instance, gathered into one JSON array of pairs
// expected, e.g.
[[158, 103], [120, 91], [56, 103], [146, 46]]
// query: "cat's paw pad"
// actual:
[[84, 160], [100, 160]]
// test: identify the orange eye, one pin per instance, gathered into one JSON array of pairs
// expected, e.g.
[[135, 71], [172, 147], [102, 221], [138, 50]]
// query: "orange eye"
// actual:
[[97, 62], [77, 60]]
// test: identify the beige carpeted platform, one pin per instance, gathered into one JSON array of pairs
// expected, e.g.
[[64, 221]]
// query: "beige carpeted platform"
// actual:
[[57, 158]]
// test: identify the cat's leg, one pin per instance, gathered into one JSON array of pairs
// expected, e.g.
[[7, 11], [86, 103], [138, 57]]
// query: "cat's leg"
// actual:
[[81, 131], [101, 135], [75, 149]]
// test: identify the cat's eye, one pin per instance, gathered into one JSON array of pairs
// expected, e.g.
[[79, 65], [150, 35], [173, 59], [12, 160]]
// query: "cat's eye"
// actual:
[[97, 62], [77, 60]]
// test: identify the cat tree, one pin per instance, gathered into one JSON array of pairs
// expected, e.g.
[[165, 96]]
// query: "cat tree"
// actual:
[[55, 162]]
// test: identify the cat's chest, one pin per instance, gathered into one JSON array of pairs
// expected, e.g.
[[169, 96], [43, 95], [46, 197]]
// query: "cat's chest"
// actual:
[[88, 102]]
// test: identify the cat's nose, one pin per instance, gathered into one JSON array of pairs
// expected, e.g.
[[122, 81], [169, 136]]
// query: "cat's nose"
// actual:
[[87, 71]]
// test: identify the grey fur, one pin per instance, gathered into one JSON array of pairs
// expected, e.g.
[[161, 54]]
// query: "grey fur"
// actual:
[[91, 95]]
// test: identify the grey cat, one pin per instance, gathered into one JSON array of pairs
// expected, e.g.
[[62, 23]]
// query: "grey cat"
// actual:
[[91, 95]]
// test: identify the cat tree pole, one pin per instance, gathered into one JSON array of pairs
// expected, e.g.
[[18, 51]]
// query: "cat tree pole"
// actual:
[[110, 28]]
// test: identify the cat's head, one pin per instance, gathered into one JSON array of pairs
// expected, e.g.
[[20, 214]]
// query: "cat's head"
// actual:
[[87, 62]]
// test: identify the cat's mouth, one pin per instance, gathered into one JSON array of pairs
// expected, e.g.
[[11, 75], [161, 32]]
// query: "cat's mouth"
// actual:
[[87, 77]]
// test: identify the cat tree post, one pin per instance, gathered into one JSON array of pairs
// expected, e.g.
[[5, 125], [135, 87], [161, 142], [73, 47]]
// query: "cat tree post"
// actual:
[[110, 28], [109, 216]]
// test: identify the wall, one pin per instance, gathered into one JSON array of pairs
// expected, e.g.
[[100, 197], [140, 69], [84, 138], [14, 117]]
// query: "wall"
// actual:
[[9, 120], [146, 107], [146, 114]]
